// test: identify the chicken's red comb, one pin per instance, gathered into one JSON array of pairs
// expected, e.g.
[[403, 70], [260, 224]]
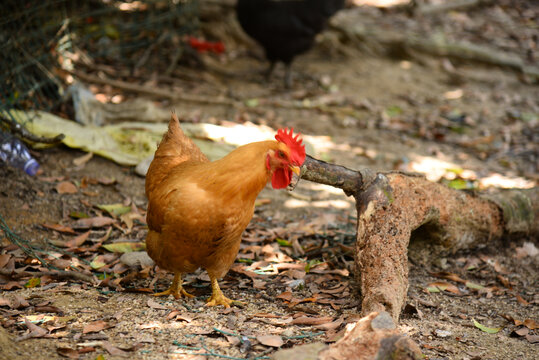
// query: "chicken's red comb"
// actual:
[[294, 143]]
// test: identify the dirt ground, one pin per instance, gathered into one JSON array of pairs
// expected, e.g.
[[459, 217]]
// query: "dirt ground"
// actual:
[[379, 113]]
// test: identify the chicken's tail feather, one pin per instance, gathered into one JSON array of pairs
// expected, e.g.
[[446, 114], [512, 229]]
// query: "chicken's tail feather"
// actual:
[[176, 146], [174, 149]]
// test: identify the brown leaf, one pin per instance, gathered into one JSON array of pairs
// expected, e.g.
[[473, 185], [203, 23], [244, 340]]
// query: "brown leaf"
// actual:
[[113, 350], [82, 159], [505, 282], [5, 302], [307, 320], [95, 326], [35, 331], [11, 285], [521, 300], [531, 324], [106, 181], [66, 187], [448, 276], [98, 221], [155, 305], [532, 339], [442, 285], [266, 315], [286, 296], [331, 325], [522, 331], [270, 340], [4, 259], [180, 317], [60, 228], [78, 240], [68, 353], [19, 302], [48, 309]]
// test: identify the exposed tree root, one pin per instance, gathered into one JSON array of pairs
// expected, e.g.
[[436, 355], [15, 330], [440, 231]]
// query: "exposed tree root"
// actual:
[[394, 208]]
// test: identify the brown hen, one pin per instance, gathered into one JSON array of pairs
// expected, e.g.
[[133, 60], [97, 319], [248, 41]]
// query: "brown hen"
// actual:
[[197, 209]]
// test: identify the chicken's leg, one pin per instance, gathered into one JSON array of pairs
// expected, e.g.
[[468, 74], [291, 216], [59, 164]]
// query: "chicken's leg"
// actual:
[[176, 289], [217, 296], [288, 75]]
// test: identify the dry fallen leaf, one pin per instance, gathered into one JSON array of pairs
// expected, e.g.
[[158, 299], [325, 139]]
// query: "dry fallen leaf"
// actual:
[[113, 350], [287, 296], [78, 240], [66, 187], [35, 331], [67, 352], [81, 160], [307, 320], [95, 326], [441, 286], [60, 228], [5, 302], [448, 276], [98, 221], [531, 324], [270, 340], [155, 305], [4, 259]]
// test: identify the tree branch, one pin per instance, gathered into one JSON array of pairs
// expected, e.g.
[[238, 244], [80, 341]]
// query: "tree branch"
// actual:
[[401, 213]]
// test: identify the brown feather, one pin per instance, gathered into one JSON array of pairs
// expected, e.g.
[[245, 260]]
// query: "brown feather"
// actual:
[[197, 210]]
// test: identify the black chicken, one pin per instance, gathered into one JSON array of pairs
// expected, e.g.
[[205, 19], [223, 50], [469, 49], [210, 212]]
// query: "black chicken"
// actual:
[[285, 28]]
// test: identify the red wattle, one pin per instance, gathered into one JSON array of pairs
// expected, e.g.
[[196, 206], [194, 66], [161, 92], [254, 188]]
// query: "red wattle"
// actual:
[[281, 178]]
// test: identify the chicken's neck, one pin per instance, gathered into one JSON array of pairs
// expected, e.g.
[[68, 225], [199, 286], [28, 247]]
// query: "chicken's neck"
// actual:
[[242, 174]]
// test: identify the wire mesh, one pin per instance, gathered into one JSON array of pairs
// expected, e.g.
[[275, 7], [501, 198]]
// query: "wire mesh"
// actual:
[[39, 40]]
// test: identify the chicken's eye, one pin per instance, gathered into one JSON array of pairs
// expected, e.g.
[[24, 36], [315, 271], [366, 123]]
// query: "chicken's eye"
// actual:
[[280, 153]]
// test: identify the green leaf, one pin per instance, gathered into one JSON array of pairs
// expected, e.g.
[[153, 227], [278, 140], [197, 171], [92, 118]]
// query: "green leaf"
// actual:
[[458, 184], [124, 247], [251, 102], [456, 171], [283, 242], [97, 263], [33, 282], [78, 215], [485, 328], [393, 111], [115, 209], [100, 357], [433, 289], [472, 285], [247, 261], [311, 264]]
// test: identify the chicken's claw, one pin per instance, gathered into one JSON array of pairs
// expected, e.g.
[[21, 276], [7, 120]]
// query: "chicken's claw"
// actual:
[[220, 299], [178, 293], [217, 296], [176, 289]]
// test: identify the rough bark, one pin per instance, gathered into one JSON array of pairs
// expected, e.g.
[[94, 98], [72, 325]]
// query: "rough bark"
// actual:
[[373, 337], [395, 208]]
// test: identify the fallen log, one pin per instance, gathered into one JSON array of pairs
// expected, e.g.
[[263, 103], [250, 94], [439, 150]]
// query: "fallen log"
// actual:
[[395, 209]]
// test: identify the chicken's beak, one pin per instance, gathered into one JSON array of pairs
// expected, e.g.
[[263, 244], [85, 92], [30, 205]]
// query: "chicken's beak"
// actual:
[[295, 169]]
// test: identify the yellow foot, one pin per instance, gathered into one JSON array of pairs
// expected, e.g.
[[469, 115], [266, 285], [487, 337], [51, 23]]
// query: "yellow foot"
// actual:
[[177, 293], [176, 289], [219, 299]]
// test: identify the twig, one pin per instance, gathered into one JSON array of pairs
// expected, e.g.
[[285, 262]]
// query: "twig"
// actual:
[[151, 91], [232, 334], [144, 58], [350, 181], [305, 336], [57, 274], [455, 5], [17, 128]]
